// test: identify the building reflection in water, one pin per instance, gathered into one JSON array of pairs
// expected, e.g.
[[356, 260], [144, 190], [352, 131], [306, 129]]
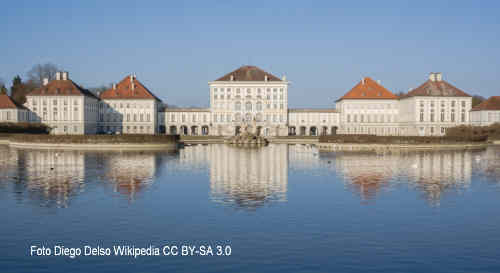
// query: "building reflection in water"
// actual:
[[243, 178], [50, 177], [129, 172], [53, 177], [431, 172]]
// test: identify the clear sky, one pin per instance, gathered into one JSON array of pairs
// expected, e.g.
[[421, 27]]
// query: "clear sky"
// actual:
[[323, 47]]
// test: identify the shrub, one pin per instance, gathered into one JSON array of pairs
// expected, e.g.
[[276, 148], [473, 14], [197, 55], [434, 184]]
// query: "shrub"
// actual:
[[94, 139], [23, 128], [366, 139], [492, 132]]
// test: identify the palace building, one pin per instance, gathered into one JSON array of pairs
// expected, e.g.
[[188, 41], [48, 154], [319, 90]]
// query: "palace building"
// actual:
[[250, 96], [486, 113], [128, 108], [64, 106]]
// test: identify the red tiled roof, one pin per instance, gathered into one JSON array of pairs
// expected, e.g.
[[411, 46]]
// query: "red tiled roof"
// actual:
[[7, 103], [124, 90], [61, 88], [436, 89], [368, 89], [493, 103], [249, 73]]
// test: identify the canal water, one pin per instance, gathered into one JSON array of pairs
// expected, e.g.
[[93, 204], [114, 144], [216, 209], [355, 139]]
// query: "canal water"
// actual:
[[281, 208]]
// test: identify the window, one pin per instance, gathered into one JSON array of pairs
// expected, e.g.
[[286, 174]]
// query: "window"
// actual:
[[453, 103], [228, 117], [421, 115], [194, 118], [452, 115], [442, 115], [432, 115], [183, 118], [463, 115], [237, 106], [259, 106], [463, 103], [54, 102], [248, 106], [348, 118], [355, 118]]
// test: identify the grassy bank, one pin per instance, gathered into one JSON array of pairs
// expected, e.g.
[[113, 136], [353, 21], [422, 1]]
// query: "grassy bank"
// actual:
[[368, 139], [91, 139], [23, 128]]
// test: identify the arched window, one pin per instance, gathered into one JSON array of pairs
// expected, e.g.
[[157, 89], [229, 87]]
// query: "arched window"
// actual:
[[248, 106], [237, 106]]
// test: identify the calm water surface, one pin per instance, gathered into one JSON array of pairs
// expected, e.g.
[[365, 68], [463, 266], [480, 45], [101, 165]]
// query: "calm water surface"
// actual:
[[280, 209]]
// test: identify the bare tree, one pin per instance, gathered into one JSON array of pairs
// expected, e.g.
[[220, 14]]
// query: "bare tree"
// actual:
[[41, 71]]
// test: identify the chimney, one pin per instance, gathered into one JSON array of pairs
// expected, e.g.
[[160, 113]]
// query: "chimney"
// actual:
[[284, 78], [265, 78], [363, 81], [439, 77], [132, 82], [232, 78], [379, 82], [58, 76], [65, 76], [114, 86], [432, 76], [45, 81]]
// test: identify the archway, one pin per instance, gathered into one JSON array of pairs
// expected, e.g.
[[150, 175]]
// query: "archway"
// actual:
[[204, 130], [333, 130], [291, 131], [324, 131], [313, 131], [184, 130], [259, 130], [194, 130], [302, 130], [173, 130], [237, 130]]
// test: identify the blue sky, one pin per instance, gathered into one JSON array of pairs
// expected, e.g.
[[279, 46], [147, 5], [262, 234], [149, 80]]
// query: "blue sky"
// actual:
[[323, 47]]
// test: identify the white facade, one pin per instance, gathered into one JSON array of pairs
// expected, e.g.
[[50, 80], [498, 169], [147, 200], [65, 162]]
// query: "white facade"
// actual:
[[188, 121], [313, 122], [14, 115], [265, 103], [128, 116], [430, 116], [484, 117], [74, 115], [368, 116]]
